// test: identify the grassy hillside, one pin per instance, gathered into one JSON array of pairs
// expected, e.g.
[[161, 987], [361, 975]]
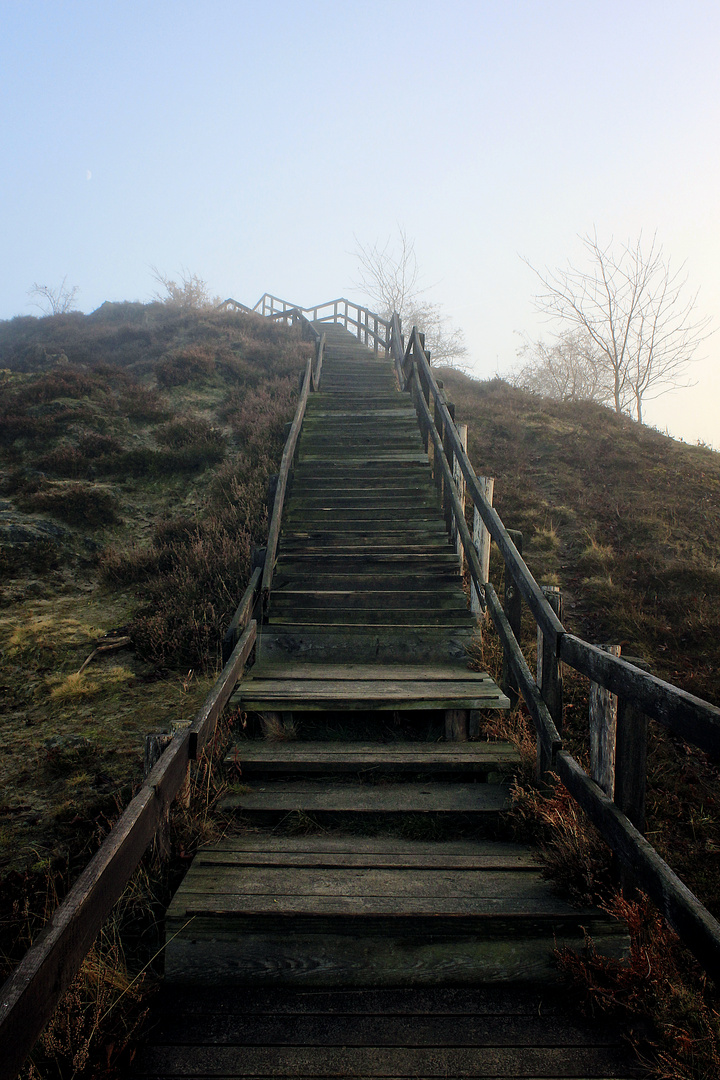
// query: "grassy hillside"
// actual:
[[135, 447]]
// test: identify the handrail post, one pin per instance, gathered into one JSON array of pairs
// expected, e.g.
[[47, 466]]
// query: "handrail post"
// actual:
[[603, 710], [450, 455], [481, 540], [512, 604], [631, 738], [459, 479], [549, 669]]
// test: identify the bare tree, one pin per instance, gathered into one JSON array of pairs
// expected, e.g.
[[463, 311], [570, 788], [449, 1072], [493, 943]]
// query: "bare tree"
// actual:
[[630, 304], [189, 293], [390, 277], [54, 301], [570, 369]]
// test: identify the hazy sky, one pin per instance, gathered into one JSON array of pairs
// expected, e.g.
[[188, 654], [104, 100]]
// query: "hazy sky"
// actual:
[[253, 142]]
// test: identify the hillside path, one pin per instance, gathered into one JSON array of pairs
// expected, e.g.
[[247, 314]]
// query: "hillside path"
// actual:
[[368, 917]]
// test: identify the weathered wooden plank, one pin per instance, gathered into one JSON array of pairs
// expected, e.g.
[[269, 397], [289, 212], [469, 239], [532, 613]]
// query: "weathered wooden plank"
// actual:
[[283, 476], [418, 1002], [603, 728], [364, 798], [445, 598], [334, 1030], [520, 1063], [402, 690], [243, 613], [330, 617], [542, 905], [340, 644], [546, 731], [286, 757], [514, 861], [374, 672], [215, 883], [203, 726], [544, 615], [259, 702], [353, 844]]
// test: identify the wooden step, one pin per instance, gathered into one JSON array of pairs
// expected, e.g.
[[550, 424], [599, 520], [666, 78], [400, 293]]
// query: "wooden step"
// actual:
[[370, 618], [449, 597], [363, 644], [422, 559], [481, 759], [334, 911], [258, 694], [283, 797], [430, 1032], [328, 516], [307, 497], [377, 579]]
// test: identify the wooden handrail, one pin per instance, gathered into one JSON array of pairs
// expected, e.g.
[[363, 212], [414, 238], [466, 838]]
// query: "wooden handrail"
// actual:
[[317, 366], [531, 591], [283, 476], [695, 720], [29, 996], [691, 717], [275, 308]]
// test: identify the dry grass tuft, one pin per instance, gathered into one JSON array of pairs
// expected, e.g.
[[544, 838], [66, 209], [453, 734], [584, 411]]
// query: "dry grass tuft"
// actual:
[[659, 992]]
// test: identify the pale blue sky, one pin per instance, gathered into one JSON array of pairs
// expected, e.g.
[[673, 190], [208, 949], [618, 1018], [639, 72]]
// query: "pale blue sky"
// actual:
[[251, 143]]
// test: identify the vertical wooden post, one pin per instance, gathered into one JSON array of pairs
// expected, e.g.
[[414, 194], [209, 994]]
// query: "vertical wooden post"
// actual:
[[631, 758], [513, 611], [450, 455], [424, 431], [459, 478], [603, 732], [549, 671], [456, 725], [481, 540], [437, 471], [631, 763]]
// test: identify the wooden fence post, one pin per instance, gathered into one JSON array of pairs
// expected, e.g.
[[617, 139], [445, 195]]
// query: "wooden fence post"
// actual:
[[481, 540], [450, 456], [440, 427], [459, 479], [603, 732], [549, 669], [512, 605], [631, 757]]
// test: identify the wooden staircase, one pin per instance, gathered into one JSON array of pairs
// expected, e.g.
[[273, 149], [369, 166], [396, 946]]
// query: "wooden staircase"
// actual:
[[369, 860]]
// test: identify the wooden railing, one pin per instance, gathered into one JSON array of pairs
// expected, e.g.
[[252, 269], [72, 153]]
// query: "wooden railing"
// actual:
[[369, 328], [693, 719]]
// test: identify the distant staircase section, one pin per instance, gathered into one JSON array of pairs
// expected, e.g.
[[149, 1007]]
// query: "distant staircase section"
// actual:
[[367, 609]]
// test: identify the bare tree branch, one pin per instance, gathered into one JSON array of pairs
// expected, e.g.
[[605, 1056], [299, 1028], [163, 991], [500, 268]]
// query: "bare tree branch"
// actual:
[[54, 301], [630, 304], [390, 277]]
